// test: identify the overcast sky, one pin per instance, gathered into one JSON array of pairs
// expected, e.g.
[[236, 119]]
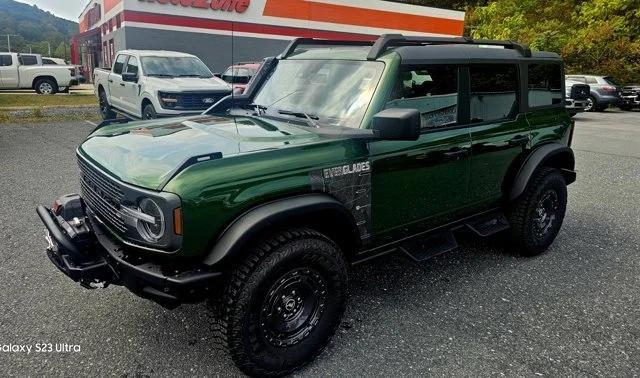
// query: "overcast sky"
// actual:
[[69, 9]]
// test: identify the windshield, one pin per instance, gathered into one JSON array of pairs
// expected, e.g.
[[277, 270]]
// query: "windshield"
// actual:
[[335, 92], [175, 67], [238, 75]]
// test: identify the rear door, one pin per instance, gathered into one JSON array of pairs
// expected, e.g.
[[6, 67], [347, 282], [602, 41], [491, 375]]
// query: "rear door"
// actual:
[[9, 71], [499, 131], [418, 184]]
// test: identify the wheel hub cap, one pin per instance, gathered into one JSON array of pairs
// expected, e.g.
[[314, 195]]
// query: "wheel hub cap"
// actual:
[[545, 213], [293, 307]]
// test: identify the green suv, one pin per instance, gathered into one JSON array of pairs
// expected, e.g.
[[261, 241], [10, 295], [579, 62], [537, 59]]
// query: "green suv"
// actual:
[[338, 152]]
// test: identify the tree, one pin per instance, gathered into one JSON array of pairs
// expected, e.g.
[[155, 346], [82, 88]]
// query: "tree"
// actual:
[[594, 37]]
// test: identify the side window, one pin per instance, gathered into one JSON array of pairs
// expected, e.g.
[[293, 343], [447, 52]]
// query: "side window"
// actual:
[[28, 60], [494, 92], [6, 60], [580, 79], [48, 61], [132, 66], [119, 65], [591, 80], [432, 90], [545, 85]]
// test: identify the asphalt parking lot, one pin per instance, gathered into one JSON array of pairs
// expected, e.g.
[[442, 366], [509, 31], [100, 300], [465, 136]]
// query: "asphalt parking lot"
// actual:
[[478, 311]]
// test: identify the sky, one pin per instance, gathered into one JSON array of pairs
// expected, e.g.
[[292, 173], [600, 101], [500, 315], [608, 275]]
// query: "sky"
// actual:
[[69, 9]]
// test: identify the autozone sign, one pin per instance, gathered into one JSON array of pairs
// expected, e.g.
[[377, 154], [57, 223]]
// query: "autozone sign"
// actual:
[[239, 6]]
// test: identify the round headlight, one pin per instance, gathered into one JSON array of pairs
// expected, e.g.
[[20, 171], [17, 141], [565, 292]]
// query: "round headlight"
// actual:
[[151, 232]]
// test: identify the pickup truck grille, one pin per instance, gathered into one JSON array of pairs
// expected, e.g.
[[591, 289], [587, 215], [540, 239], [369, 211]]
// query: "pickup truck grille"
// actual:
[[102, 195], [580, 91], [631, 91], [194, 100]]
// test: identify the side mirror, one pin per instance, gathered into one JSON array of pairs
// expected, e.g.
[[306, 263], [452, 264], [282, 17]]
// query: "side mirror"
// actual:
[[130, 77], [218, 75], [397, 124]]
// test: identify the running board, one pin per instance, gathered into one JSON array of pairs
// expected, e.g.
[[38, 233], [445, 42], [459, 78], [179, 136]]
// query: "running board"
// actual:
[[422, 249], [489, 225]]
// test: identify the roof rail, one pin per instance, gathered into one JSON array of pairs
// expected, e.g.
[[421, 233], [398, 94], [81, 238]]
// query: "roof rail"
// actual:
[[394, 40], [293, 46]]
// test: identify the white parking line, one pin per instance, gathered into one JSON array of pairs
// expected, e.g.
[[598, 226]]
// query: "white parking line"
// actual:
[[92, 123]]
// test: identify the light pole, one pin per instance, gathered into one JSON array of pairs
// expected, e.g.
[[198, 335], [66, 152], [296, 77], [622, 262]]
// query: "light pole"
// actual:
[[9, 40]]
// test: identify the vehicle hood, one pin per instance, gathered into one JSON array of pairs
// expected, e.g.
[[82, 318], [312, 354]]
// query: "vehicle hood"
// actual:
[[150, 153], [187, 84]]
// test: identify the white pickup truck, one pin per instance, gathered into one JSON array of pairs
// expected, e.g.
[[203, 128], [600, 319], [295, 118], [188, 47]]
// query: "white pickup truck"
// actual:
[[152, 84], [43, 79]]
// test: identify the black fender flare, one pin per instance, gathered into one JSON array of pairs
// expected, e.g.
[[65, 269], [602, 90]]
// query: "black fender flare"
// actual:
[[256, 221], [561, 156]]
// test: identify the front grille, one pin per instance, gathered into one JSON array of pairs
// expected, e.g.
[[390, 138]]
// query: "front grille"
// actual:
[[193, 100], [580, 91], [629, 91], [102, 195]]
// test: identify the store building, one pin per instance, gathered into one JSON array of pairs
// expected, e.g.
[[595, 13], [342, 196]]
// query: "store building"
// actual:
[[221, 32]]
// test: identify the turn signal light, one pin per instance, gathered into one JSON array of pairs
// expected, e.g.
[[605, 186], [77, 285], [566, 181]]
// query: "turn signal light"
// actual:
[[56, 206], [177, 221]]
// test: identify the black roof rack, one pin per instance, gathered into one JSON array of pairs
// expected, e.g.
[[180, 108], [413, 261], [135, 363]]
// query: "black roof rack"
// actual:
[[395, 40], [293, 46]]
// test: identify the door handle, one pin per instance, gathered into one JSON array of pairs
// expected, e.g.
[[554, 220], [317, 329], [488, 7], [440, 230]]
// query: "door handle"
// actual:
[[110, 80], [455, 153], [519, 140], [122, 84]]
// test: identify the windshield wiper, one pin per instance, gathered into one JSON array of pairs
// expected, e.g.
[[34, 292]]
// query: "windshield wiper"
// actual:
[[161, 75], [195, 75], [311, 118]]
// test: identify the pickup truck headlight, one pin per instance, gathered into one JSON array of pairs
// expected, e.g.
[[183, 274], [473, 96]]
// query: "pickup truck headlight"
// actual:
[[168, 100], [151, 228]]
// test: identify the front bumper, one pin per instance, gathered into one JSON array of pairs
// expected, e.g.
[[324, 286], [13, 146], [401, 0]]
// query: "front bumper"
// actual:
[[100, 261], [575, 105], [630, 101]]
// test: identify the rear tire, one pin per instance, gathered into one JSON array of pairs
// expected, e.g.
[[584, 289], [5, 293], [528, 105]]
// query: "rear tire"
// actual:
[[537, 215], [149, 112], [283, 303], [46, 87]]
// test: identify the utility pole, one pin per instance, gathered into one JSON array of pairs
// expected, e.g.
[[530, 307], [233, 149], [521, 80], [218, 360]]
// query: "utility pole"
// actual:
[[9, 40], [49, 44]]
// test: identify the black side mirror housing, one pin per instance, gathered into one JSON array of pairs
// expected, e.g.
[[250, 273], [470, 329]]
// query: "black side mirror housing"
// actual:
[[218, 75], [397, 124], [130, 77]]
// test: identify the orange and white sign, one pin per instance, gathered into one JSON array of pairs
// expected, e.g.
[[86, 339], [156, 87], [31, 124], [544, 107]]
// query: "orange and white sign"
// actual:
[[286, 19]]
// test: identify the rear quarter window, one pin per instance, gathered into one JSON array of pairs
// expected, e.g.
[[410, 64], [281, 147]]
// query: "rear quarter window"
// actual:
[[5, 60], [545, 85]]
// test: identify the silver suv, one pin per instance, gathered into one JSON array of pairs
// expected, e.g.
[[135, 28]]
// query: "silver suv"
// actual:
[[604, 91]]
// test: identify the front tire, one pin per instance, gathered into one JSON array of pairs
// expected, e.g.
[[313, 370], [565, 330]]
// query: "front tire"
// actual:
[[536, 217], [149, 112], [46, 87], [105, 108], [283, 303]]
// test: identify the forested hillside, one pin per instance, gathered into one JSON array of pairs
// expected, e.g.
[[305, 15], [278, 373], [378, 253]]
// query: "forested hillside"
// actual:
[[33, 29]]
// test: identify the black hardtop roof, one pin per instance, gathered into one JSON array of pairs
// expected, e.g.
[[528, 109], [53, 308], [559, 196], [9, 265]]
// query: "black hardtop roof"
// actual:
[[414, 49]]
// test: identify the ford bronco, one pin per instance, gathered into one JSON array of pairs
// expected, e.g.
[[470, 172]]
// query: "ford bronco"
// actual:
[[340, 152]]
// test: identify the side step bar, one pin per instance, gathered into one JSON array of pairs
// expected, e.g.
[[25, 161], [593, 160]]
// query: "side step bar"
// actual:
[[427, 245]]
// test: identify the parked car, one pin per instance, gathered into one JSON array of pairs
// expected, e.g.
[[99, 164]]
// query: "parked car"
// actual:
[[630, 97], [577, 95], [151, 84], [78, 78], [47, 60], [240, 74], [604, 91], [333, 156], [43, 79]]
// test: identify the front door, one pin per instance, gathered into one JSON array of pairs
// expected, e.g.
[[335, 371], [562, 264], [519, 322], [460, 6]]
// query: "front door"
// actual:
[[116, 85], [131, 91], [499, 131], [418, 184]]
